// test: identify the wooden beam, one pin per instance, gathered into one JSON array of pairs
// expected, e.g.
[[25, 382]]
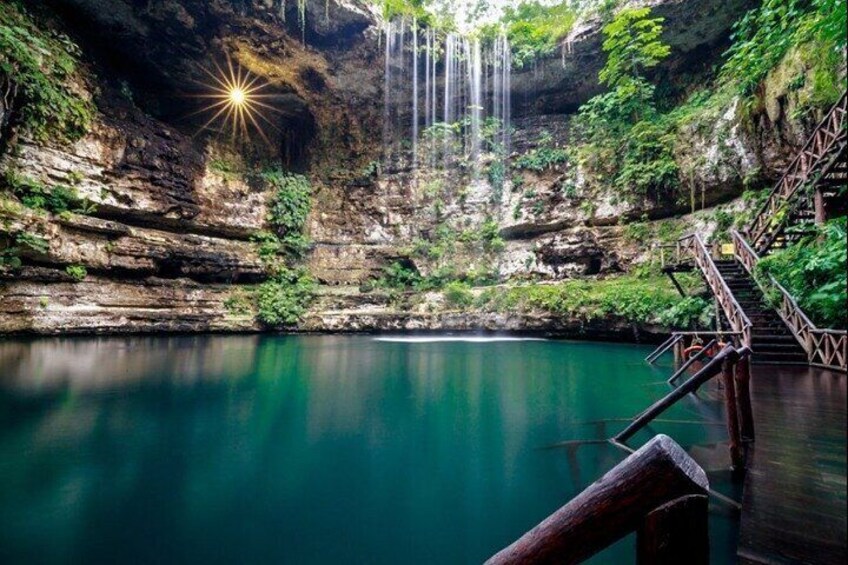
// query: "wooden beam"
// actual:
[[732, 415], [612, 507], [676, 284], [743, 394], [710, 370]]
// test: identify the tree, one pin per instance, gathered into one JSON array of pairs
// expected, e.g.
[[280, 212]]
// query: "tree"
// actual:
[[632, 44]]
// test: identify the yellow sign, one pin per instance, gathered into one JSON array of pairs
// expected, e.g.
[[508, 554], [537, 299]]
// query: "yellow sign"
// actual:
[[728, 249]]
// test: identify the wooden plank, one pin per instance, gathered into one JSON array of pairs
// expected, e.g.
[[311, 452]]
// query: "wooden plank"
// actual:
[[794, 501]]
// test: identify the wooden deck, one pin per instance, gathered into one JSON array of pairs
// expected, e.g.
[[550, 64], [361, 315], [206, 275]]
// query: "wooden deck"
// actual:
[[794, 502]]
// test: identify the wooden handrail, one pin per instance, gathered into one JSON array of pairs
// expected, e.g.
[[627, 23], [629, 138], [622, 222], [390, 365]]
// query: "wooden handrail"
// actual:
[[739, 321], [829, 132], [666, 345], [712, 369], [691, 361], [619, 503], [824, 347]]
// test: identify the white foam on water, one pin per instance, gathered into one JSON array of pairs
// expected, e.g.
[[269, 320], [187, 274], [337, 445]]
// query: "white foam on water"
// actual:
[[454, 338]]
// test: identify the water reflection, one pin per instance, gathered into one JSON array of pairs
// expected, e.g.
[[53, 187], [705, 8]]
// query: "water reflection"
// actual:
[[301, 449]]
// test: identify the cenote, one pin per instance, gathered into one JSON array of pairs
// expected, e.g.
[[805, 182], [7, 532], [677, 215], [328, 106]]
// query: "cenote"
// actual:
[[385, 282], [316, 449]]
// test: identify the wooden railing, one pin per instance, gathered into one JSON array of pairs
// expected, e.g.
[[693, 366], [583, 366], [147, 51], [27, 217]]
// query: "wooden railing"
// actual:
[[824, 347], [774, 213], [658, 491], [695, 247], [737, 399]]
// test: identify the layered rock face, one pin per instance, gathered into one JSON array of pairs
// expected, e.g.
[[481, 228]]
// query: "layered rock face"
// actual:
[[167, 244], [165, 239]]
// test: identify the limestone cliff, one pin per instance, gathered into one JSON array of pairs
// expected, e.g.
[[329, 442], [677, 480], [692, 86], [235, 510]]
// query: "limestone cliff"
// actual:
[[165, 238]]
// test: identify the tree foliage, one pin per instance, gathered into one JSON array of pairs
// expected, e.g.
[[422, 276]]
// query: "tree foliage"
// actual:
[[44, 67], [624, 136], [766, 33], [633, 45]]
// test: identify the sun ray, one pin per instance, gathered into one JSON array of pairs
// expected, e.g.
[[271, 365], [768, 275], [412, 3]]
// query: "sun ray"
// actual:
[[235, 100]]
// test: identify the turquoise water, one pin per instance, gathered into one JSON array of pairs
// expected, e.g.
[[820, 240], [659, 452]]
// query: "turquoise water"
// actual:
[[314, 449]]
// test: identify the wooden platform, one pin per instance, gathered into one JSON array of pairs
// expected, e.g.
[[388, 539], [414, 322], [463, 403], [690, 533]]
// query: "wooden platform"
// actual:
[[794, 502]]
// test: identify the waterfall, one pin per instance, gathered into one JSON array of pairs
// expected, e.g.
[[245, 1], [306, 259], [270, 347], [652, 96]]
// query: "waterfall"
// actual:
[[415, 121], [466, 96]]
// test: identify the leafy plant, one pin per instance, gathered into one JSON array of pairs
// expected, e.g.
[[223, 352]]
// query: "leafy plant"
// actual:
[[544, 156], [283, 300], [813, 271], [643, 165], [239, 303], [44, 66], [458, 294], [77, 272], [632, 44], [766, 33], [632, 298], [34, 194], [291, 202], [18, 243]]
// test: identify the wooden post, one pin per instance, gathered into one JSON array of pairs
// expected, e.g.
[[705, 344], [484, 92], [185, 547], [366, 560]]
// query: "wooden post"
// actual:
[[737, 464], [743, 396], [821, 210], [678, 353], [677, 532], [612, 507]]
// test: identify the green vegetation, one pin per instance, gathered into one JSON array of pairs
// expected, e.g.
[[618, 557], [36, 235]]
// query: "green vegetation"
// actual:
[[77, 272], [290, 203], [44, 67], [287, 213], [458, 294], [19, 243], [406, 8], [240, 303], [35, 195], [441, 252], [766, 34], [534, 30], [546, 155], [649, 299], [284, 298], [813, 271], [632, 44], [644, 165]]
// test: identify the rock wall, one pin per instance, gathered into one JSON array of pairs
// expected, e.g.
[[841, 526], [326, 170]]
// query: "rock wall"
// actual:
[[166, 242]]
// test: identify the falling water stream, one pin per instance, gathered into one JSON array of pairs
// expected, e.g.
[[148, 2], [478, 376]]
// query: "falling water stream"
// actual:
[[456, 87]]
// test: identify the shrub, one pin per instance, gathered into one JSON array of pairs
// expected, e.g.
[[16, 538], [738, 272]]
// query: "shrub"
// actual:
[[545, 156], [636, 299], [43, 65], [290, 203], [283, 299], [813, 271], [458, 294], [766, 33]]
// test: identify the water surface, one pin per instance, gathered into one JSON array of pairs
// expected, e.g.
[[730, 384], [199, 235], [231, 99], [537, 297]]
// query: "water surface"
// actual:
[[314, 449]]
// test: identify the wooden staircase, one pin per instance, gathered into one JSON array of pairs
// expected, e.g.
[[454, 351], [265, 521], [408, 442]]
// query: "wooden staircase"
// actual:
[[812, 189], [813, 182], [771, 340]]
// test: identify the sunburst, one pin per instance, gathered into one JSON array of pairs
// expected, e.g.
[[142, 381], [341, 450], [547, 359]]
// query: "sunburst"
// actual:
[[236, 101]]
